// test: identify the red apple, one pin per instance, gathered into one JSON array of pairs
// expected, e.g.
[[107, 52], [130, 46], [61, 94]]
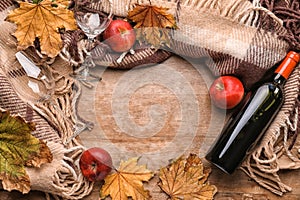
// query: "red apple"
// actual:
[[226, 92], [119, 35], [95, 164]]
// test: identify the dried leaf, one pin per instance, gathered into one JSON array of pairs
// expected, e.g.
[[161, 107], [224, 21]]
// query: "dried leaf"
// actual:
[[186, 179], [19, 149], [127, 181], [42, 20], [152, 23], [62, 2]]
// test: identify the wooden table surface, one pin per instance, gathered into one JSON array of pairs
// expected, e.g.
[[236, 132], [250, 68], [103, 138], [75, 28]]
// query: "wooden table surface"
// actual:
[[159, 113]]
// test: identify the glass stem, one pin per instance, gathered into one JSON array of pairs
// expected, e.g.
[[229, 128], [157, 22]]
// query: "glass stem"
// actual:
[[90, 43], [88, 62]]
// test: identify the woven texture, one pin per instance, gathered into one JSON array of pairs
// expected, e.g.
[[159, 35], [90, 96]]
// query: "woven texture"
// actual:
[[75, 47], [51, 109], [245, 39], [237, 36]]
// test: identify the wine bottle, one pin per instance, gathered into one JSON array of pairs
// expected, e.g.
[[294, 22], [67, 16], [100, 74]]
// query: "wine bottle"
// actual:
[[244, 130]]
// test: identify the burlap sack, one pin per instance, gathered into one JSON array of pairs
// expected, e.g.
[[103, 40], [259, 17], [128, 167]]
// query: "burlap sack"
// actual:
[[51, 109], [242, 38]]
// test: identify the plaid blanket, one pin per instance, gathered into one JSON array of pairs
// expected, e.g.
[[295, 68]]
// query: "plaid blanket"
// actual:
[[244, 38], [47, 112], [238, 36]]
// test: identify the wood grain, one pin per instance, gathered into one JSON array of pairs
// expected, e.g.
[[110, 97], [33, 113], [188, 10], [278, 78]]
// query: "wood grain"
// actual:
[[159, 113]]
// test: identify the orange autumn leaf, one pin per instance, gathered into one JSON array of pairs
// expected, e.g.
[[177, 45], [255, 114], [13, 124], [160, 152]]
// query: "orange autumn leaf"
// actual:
[[42, 20], [62, 2], [186, 179], [152, 24], [127, 182]]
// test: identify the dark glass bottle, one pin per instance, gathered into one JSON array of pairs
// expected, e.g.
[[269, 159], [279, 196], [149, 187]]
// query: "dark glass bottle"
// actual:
[[245, 129]]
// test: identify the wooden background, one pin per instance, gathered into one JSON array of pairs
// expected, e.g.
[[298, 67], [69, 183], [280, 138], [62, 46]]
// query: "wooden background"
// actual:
[[159, 113]]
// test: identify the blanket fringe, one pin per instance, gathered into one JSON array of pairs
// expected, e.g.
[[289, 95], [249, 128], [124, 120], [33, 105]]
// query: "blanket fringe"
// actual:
[[265, 162], [59, 108], [55, 104], [68, 179]]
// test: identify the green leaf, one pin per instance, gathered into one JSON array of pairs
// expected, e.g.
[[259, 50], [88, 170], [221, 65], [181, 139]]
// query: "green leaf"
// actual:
[[18, 148]]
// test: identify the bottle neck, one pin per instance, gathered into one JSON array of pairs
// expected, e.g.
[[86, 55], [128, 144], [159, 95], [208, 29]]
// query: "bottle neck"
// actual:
[[286, 67], [278, 79]]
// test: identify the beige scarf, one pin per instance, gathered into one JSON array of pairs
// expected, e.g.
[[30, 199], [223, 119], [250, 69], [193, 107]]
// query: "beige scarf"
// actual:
[[239, 37], [244, 39], [51, 109]]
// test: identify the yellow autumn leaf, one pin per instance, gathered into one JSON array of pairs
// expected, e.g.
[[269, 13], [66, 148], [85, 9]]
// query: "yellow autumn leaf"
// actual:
[[62, 2], [127, 182], [186, 179], [152, 24], [42, 20]]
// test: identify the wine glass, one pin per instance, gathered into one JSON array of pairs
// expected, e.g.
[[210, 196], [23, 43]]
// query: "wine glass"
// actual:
[[92, 24]]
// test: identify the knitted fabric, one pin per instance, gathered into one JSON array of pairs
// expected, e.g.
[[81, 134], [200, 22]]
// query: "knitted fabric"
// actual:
[[239, 37], [245, 39], [51, 109]]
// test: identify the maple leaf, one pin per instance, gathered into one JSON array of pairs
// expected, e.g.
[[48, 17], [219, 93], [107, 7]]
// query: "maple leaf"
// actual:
[[127, 181], [42, 20], [18, 148], [62, 2], [152, 24], [186, 179]]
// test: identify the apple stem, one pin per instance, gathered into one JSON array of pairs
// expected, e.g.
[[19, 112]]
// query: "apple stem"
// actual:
[[131, 51], [115, 169], [220, 86], [122, 56]]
